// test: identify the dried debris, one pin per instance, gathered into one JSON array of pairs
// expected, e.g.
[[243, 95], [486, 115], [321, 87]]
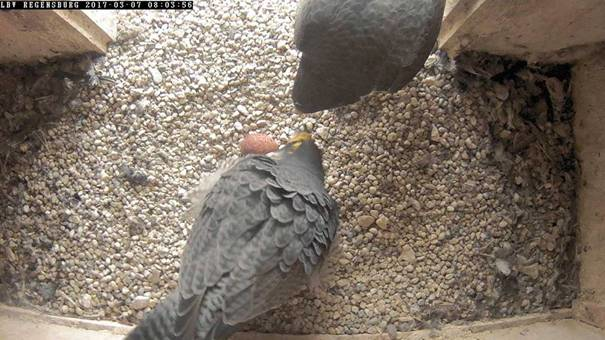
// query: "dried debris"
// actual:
[[34, 95], [533, 143], [134, 176]]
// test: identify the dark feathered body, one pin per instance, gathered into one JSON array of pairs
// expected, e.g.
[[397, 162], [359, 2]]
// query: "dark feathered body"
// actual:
[[263, 230], [352, 47]]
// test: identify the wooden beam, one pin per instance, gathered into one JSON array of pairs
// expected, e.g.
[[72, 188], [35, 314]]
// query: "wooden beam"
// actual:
[[29, 36], [588, 77], [535, 30]]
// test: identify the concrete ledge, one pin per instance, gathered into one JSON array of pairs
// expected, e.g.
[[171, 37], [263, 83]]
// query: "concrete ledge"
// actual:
[[34, 316], [590, 313], [556, 325], [450, 331], [519, 321]]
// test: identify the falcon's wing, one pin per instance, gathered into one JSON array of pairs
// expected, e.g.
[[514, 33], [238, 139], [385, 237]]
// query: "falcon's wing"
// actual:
[[253, 245], [197, 196]]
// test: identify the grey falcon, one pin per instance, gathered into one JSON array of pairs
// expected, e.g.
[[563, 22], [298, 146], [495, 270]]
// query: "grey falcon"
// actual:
[[353, 47], [262, 233]]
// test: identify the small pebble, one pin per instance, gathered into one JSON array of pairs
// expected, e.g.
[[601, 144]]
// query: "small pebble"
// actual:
[[156, 76], [365, 221], [86, 301], [139, 302]]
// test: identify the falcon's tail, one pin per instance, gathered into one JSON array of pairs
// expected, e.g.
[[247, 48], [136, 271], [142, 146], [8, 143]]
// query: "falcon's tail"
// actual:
[[157, 324], [160, 323]]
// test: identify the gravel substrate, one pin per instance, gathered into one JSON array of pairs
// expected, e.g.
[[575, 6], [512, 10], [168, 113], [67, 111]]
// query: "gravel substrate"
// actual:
[[457, 196]]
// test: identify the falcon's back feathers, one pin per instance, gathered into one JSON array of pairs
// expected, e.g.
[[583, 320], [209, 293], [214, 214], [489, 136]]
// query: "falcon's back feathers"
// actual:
[[264, 229]]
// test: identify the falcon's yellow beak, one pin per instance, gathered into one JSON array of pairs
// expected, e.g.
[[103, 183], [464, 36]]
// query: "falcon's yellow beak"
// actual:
[[298, 138]]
